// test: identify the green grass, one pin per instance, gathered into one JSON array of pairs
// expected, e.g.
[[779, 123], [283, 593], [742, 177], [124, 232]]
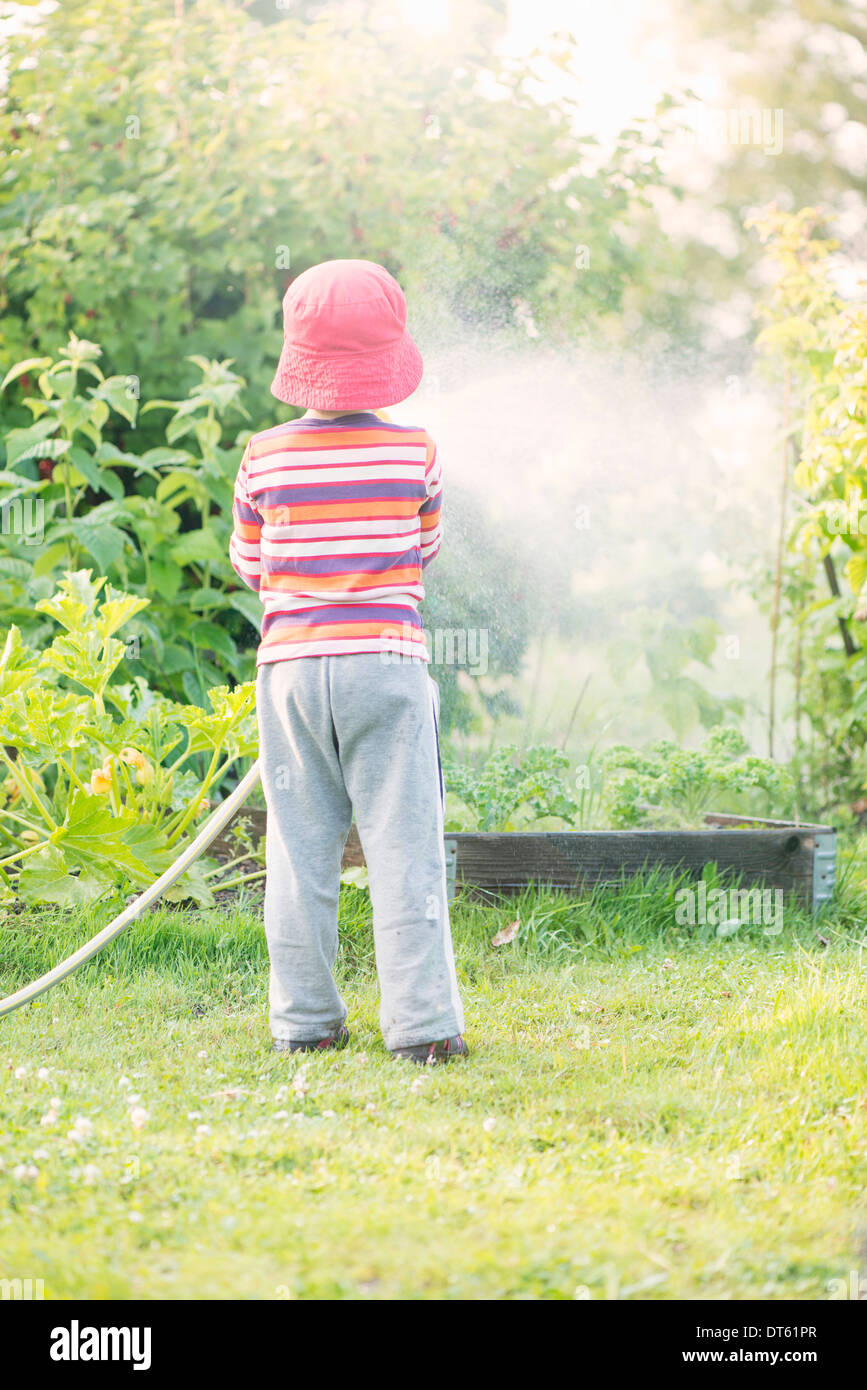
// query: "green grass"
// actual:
[[648, 1112]]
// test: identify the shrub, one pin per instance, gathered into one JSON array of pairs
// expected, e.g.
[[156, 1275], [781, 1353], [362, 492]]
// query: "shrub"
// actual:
[[155, 523]]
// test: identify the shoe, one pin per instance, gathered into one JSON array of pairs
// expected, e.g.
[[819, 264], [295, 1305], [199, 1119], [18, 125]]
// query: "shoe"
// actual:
[[433, 1053], [339, 1039]]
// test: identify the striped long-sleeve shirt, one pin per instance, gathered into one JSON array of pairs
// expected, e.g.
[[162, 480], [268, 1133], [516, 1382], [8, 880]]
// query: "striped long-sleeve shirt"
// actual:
[[334, 521]]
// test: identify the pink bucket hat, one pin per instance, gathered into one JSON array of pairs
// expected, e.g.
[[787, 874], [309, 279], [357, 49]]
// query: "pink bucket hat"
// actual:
[[345, 340]]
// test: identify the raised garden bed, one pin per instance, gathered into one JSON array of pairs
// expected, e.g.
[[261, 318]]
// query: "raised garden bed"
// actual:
[[799, 859]]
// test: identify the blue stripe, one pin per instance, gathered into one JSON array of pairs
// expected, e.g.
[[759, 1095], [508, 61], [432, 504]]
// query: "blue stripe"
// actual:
[[346, 564], [345, 613], [290, 494]]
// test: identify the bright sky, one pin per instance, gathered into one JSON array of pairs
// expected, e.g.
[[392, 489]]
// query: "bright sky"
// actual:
[[614, 82]]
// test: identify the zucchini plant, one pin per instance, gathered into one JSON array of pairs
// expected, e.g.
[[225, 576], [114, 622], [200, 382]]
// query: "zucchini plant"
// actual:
[[104, 782]]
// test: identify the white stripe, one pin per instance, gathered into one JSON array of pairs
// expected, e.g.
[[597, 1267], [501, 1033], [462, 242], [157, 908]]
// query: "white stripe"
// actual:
[[281, 596], [245, 567], [287, 603], [312, 477], [248, 550], [278, 651], [389, 453], [360, 545], [314, 530], [447, 932]]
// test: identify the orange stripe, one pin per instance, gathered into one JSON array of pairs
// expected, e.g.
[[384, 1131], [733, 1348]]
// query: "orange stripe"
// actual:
[[374, 509], [342, 631], [334, 439], [353, 582]]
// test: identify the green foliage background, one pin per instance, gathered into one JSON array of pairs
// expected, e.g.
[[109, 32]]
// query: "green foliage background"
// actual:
[[167, 172], [167, 169]]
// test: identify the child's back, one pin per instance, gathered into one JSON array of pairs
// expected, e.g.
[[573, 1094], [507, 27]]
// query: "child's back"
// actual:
[[334, 522]]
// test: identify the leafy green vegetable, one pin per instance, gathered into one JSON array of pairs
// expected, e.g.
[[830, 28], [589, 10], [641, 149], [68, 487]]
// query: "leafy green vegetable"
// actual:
[[675, 786], [103, 782], [498, 790]]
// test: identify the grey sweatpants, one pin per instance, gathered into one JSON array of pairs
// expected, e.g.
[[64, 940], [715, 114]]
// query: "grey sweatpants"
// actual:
[[336, 734]]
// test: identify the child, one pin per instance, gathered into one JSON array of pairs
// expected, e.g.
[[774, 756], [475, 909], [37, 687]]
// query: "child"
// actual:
[[336, 514]]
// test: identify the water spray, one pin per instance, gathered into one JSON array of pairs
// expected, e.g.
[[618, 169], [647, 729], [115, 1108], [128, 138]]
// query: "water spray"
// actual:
[[215, 823]]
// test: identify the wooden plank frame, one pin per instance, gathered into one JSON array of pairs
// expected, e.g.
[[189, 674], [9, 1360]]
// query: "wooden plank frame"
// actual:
[[779, 857], [799, 859]]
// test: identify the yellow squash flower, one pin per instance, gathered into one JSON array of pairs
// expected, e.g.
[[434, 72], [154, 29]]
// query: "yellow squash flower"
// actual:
[[100, 782]]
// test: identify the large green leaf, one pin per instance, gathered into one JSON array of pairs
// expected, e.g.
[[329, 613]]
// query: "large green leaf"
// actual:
[[248, 603], [30, 442], [53, 720], [149, 845], [106, 543], [100, 479], [45, 878], [193, 884], [48, 557], [76, 596], [16, 657], [91, 834], [14, 568], [197, 547], [210, 636], [28, 365], [109, 453], [19, 483], [115, 391], [116, 609], [231, 723]]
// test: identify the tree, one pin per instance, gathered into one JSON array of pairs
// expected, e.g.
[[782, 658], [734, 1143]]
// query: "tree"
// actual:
[[800, 67], [818, 337]]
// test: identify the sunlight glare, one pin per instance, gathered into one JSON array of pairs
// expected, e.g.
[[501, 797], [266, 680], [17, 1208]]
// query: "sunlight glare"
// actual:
[[427, 16]]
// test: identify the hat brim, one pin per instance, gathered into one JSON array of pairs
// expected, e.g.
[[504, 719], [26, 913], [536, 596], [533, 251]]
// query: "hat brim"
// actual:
[[348, 380]]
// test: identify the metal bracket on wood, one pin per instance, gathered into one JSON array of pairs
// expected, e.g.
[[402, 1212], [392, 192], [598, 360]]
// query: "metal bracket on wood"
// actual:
[[824, 867], [451, 847]]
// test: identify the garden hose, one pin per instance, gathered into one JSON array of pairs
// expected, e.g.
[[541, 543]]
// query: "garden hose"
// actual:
[[209, 832]]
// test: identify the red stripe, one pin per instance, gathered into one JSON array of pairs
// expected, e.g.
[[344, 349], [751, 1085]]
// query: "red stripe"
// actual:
[[323, 448], [348, 463], [356, 516], [327, 501], [317, 607], [317, 540], [354, 555]]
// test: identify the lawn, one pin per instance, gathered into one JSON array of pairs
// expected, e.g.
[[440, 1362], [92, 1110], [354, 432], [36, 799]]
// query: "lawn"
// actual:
[[648, 1112]]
